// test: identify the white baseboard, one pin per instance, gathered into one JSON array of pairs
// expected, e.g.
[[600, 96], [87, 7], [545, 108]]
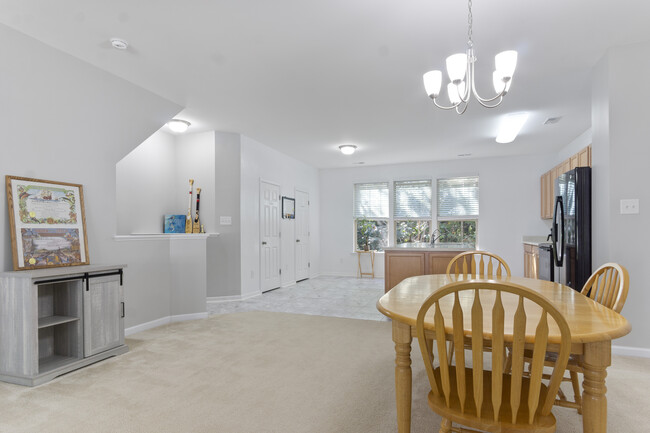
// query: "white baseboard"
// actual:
[[346, 274], [163, 321], [289, 284], [631, 351], [231, 298], [186, 317]]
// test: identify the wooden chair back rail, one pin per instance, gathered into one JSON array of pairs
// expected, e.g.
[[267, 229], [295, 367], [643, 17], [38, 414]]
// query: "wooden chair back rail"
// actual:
[[441, 385], [608, 286], [478, 263]]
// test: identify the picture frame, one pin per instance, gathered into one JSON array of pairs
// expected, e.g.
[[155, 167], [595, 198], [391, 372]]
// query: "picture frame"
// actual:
[[174, 223], [47, 223], [288, 208]]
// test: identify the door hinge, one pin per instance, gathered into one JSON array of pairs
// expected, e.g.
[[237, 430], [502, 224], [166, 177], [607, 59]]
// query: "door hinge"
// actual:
[[309, 265], [280, 271]]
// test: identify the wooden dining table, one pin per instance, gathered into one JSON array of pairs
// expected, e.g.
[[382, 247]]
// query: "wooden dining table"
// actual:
[[592, 326]]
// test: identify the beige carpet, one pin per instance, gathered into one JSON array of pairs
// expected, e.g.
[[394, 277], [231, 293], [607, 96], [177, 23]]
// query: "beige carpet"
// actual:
[[262, 372]]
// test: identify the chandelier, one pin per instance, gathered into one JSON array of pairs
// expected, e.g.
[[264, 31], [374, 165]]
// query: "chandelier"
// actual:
[[460, 68]]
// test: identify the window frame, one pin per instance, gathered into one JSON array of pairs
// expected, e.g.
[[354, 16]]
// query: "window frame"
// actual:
[[396, 220], [355, 218], [462, 218]]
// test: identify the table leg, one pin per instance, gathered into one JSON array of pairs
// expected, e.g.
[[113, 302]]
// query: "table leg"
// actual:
[[597, 357], [403, 375]]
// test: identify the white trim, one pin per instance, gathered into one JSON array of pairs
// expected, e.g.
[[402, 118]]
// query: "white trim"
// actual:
[[163, 321], [289, 284], [186, 317], [631, 351], [232, 298], [149, 325], [162, 236]]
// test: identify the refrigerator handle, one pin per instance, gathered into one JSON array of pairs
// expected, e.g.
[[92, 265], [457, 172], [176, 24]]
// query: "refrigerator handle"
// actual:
[[558, 250]]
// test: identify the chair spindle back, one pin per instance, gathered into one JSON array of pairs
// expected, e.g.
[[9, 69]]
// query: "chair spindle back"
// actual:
[[608, 286], [477, 263], [441, 379]]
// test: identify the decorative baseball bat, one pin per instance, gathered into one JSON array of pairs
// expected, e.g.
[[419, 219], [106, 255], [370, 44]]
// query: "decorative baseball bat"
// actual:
[[188, 219], [196, 226]]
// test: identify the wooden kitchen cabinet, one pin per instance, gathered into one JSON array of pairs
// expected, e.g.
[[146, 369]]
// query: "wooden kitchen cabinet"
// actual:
[[531, 261], [584, 157], [402, 264], [547, 180]]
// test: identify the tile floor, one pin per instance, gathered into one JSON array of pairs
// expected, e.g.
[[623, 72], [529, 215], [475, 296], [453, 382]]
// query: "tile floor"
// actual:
[[321, 296]]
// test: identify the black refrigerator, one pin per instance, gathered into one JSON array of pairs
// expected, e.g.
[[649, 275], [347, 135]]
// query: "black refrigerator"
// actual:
[[571, 230]]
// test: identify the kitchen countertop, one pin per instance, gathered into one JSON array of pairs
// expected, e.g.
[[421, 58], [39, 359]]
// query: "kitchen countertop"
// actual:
[[424, 246], [535, 240]]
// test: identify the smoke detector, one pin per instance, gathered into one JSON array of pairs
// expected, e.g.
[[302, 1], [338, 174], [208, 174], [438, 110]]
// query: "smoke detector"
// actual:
[[119, 44]]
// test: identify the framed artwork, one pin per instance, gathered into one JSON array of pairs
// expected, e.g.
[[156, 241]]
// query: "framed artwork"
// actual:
[[47, 223], [288, 208], [174, 224]]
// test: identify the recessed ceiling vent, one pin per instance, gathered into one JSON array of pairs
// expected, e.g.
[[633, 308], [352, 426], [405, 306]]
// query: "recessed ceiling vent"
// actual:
[[552, 120]]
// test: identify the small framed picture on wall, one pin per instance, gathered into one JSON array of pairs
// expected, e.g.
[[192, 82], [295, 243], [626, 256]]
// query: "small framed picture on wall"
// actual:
[[288, 208]]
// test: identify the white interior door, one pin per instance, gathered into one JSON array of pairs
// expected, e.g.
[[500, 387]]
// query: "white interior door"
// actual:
[[302, 235], [269, 236]]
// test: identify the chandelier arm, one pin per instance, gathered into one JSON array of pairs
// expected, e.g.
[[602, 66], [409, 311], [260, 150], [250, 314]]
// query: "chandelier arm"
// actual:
[[488, 105], [444, 107], [484, 101], [464, 108]]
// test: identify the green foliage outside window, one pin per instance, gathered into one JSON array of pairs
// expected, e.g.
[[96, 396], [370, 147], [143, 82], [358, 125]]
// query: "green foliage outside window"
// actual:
[[371, 234], [457, 232], [412, 231]]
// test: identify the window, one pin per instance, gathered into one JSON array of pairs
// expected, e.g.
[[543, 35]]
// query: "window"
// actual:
[[458, 210], [412, 211], [371, 216]]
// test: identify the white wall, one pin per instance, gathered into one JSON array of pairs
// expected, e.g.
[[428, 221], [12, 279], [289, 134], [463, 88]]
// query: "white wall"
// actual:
[[144, 179], [620, 158], [509, 200], [262, 162], [153, 180], [66, 120]]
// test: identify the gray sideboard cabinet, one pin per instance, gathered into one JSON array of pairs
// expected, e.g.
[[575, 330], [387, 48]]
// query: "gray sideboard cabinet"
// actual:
[[53, 321]]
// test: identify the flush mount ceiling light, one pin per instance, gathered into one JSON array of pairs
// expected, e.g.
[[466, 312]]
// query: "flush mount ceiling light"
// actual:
[[178, 125], [460, 68], [510, 127], [120, 44], [347, 149]]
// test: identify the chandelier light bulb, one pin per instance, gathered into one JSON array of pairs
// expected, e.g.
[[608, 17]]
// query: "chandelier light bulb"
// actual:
[[457, 67], [347, 149], [456, 92], [432, 83], [178, 125], [499, 82], [505, 62]]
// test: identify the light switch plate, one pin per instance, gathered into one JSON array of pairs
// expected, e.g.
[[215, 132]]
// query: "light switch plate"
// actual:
[[630, 206], [225, 220]]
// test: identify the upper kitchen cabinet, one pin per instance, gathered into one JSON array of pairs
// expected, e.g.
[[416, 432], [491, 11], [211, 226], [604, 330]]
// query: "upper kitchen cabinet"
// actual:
[[547, 180]]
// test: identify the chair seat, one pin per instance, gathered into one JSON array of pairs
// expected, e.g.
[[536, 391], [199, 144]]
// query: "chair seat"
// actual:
[[541, 424]]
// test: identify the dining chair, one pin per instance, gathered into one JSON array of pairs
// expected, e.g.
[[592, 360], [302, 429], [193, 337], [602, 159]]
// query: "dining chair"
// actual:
[[608, 286], [489, 399], [477, 263], [472, 264]]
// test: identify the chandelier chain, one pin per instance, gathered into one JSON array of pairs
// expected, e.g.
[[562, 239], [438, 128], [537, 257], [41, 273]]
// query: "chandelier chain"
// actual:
[[469, 25]]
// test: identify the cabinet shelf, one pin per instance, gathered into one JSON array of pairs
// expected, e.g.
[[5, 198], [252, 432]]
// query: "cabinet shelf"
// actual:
[[45, 322], [54, 362]]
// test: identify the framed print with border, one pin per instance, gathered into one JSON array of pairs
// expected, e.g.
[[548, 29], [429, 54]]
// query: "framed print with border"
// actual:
[[288, 207], [47, 223]]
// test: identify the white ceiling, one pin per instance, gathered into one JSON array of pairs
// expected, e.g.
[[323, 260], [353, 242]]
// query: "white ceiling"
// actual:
[[305, 76]]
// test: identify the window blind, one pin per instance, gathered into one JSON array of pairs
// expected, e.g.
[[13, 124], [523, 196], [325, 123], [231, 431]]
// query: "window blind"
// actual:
[[371, 200], [458, 197], [412, 199]]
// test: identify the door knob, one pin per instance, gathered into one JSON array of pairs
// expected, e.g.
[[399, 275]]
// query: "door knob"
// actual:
[[264, 243], [297, 240]]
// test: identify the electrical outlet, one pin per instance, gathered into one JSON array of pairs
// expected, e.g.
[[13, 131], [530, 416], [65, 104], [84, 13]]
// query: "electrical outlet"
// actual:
[[630, 206], [252, 274], [225, 220]]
